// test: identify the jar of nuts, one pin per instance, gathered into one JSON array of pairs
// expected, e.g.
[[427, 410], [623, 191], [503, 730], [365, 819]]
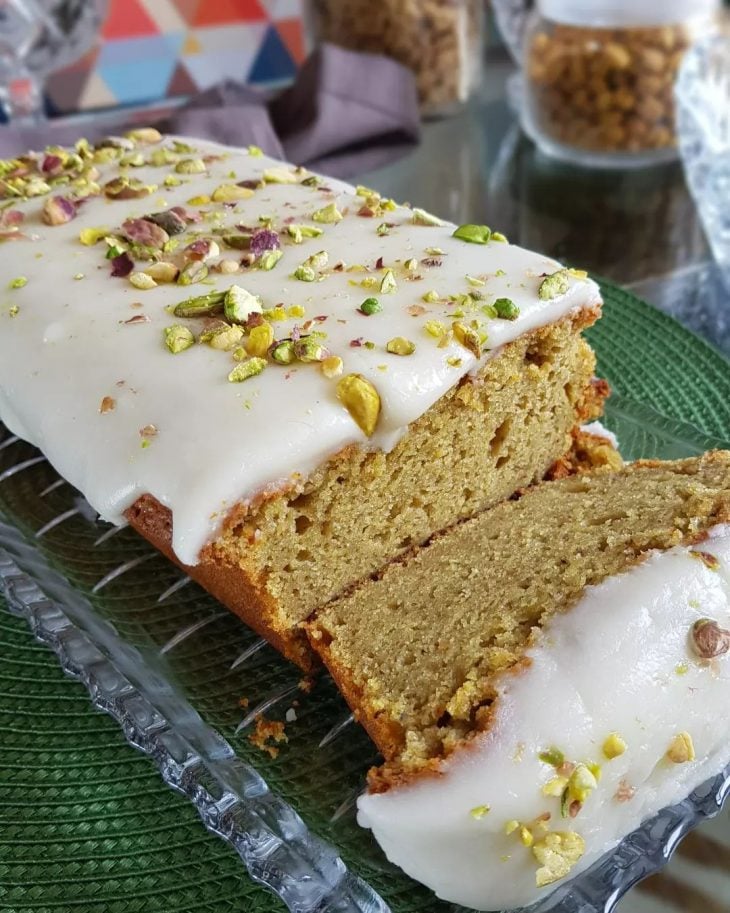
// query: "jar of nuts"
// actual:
[[440, 40], [599, 76]]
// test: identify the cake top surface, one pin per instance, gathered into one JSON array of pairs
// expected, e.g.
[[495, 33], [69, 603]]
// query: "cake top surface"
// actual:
[[203, 324]]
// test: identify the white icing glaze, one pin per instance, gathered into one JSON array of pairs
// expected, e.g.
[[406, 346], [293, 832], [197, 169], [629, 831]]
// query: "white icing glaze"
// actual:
[[619, 661], [600, 430], [220, 443]]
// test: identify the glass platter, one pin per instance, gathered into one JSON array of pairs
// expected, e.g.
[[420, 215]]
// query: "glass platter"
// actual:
[[175, 669]]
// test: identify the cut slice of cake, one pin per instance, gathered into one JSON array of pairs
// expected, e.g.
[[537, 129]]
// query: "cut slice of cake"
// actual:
[[543, 677], [281, 380]]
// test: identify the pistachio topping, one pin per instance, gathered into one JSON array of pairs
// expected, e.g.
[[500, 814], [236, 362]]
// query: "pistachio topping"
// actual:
[[280, 176], [18, 282], [58, 210], [142, 281], [268, 260], [201, 305], [298, 232], [246, 369], [193, 271], [707, 558], [328, 214], [260, 340], [190, 166], [361, 400], [304, 273], [421, 217], [614, 746], [239, 304], [468, 337], [230, 193], [474, 234], [283, 352], [399, 345], [223, 337], [178, 338], [91, 236], [506, 309], [479, 811], [681, 749], [370, 306], [145, 135], [331, 366], [388, 283], [554, 285], [708, 640], [557, 853]]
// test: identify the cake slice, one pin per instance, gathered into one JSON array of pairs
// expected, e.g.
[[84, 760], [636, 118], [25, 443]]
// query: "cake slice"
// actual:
[[281, 380], [543, 677]]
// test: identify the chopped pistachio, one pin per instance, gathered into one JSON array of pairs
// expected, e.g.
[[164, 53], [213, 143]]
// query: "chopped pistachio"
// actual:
[[255, 151], [304, 274], [578, 273], [552, 756], [296, 310], [710, 561], [183, 148], [162, 271], [260, 340], [142, 281], [280, 176], [18, 282], [430, 297], [435, 251], [328, 214], [399, 345], [190, 166], [474, 234], [246, 369], [708, 640], [283, 352], [500, 273], [498, 236], [332, 366], [479, 811], [555, 787], [144, 135], [361, 400], [468, 337], [362, 191], [224, 338], [194, 271], [506, 309], [239, 304], [411, 264], [201, 306], [318, 260], [299, 232], [90, 236], [230, 193], [681, 749], [200, 200], [370, 306], [388, 283], [382, 229], [681, 669], [453, 362], [308, 349], [554, 285], [126, 188], [13, 310], [171, 181], [556, 853], [132, 160], [268, 260], [421, 217], [489, 310], [229, 266], [178, 338], [614, 746], [367, 282], [581, 782], [79, 276], [435, 328], [277, 313], [475, 281]]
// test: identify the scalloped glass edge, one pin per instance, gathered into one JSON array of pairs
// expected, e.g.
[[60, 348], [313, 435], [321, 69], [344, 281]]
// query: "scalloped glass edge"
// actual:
[[232, 798]]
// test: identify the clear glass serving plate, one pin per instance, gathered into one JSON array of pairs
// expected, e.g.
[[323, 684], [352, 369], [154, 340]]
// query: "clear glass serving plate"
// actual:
[[186, 681]]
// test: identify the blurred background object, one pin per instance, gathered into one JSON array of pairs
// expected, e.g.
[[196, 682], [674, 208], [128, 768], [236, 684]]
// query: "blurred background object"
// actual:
[[440, 40]]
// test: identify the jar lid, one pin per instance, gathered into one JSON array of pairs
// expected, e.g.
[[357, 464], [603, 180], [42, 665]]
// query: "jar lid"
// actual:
[[619, 13]]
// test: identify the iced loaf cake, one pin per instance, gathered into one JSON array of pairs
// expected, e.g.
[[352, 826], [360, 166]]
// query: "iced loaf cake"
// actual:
[[543, 677], [281, 380]]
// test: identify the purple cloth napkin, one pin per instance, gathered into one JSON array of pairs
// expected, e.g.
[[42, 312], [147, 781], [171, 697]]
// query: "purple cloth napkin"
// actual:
[[346, 113]]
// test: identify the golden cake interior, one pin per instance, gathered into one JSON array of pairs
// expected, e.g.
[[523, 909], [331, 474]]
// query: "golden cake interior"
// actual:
[[416, 650]]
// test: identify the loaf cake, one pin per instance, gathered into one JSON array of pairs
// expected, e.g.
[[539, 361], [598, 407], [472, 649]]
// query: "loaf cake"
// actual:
[[543, 677], [281, 380]]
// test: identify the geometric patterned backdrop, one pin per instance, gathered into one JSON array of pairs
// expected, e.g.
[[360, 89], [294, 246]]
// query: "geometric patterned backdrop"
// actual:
[[153, 49]]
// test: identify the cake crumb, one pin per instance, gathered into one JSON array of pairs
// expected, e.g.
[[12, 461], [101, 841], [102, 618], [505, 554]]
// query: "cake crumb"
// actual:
[[266, 731], [306, 684], [243, 702]]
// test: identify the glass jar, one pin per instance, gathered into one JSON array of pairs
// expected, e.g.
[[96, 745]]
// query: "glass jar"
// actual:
[[440, 40], [599, 77]]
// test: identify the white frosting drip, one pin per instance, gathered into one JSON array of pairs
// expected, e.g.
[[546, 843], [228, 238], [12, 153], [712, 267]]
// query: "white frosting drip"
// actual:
[[619, 661], [599, 430], [220, 443]]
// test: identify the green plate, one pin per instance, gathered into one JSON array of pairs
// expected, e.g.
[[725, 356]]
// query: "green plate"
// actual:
[[86, 824]]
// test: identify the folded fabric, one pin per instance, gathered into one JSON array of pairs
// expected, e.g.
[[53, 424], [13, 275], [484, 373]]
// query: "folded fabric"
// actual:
[[347, 112]]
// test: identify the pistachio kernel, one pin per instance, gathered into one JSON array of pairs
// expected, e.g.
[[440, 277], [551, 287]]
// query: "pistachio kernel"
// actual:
[[255, 151], [475, 281], [506, 309], [708, 640], [400, 346], [479, 811], [142, 281], [331, 366], [201, 306], [178, 338], [304, 274], [91, 236], [224, 338], [190, 166], [555, 787], [554, 285], [681, 749], [370, 306], [468, 337], [328, 214], [435, 328], [361, 400], [474, 234], [614, 746], [227, 267], [498, 236], [18, 282], [556, 853], [259, 340], [430, 297], [283, 352], [146, 135], [246, 369], [709, 560], [280, 176], [388, 283], [298, 232], [421, 217], [230, 193], [162, 271], [552, 756], [239, 304], [58, 210], [382, 229], [192, 272]]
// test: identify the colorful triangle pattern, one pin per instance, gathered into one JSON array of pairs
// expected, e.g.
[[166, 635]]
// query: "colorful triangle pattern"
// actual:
[[154, 49]]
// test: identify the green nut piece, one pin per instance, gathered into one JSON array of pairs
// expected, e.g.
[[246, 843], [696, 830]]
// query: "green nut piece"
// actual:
[[142, 281], [283, 352], [280, 176], [144, 135], [192, 272], [554, 285], [298, 232], [474, 234], [259, 340], [328, 214], [239, 304], [247, 369], [370, 306], [318, 260], [190, 166], [361, 400], [506, 309], [231, 193], [552, 756], [421, 217], [305, 273], [556, 854], [382, 229], [308, 349], [18, 282], [224, 338], [388, 283], [201, 306], [399, 345], [468, 337], [269, 259]]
